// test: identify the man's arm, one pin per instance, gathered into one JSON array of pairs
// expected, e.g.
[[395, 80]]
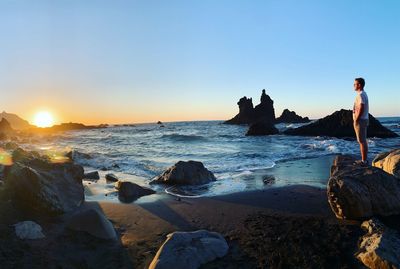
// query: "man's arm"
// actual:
[[359, 112]]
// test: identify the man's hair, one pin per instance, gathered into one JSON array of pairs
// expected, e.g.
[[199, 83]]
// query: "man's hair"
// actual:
[[361, 81]]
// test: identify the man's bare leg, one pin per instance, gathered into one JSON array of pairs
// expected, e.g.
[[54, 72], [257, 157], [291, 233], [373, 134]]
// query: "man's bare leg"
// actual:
[[364, 151]]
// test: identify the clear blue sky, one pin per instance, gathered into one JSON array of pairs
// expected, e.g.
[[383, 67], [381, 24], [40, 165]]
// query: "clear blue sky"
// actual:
[[141, 61]]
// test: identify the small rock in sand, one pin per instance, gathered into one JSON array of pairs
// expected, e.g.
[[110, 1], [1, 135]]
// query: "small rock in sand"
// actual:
[[92, 175], [94, 223], [28, 230], [189, 250], [111, 178], [129, 192], [269, 179]]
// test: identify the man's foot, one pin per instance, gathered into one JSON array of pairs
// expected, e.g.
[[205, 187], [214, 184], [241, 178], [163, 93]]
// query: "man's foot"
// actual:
[[361, 162]]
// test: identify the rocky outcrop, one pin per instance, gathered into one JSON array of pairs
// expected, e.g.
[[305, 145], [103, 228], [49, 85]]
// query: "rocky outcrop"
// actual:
[[66, 127], [262, 128], [189, 250], [186, 173], [15, 121], [380, 247], [38, 186], [359, 192], [291, 117], [129, 192], [389, 162], [263, 112], [5, 126], [94, 223], [28, 230], [340, 124], [94, 175]]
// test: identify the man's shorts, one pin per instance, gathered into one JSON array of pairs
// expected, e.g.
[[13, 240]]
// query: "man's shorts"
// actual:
[[360, 128]]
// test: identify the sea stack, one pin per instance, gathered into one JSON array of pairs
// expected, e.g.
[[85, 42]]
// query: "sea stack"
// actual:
[[263, 112], [291, 117]]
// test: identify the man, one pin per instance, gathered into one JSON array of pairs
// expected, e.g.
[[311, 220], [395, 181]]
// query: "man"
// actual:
[[360, 118]]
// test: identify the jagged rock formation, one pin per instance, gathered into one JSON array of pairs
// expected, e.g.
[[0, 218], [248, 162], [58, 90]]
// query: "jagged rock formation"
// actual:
[[340, 124], [389, 162], [263, 112], [15, 121], [359, 192], [380, 247], [291, 117]]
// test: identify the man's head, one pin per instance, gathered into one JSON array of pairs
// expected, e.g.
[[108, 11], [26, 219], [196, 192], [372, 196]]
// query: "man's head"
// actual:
[[359, 84]]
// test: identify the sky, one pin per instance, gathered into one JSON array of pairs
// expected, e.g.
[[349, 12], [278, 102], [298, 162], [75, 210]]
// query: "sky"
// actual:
[[143, 61]]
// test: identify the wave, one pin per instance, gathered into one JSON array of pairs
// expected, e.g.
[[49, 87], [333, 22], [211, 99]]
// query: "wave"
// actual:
[[184, 138]]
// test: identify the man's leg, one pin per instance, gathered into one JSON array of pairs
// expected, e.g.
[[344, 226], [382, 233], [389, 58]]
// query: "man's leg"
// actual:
[[364, 151]]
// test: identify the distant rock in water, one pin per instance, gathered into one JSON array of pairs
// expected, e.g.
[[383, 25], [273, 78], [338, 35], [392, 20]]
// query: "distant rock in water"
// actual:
[[67, 127], [15, 121], [186, 173], [5, 126], [340, 124], [262, 128], [159, 122], [291, 117], [263, 112]]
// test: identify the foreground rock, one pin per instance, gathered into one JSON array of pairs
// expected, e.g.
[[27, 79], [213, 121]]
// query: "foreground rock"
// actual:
[[262, 128], [340, 124], [28, 230], [129, 192], [94, 223], [291, 117], [358, 192], [189, 250], [380, 247], [389, 162], [186, 173], [37, 185], [264, 112]]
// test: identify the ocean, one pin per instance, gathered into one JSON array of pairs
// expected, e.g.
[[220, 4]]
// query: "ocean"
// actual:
[[139, 153]]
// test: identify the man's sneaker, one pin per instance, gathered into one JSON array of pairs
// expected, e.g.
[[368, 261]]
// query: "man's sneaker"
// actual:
[[361, 162]]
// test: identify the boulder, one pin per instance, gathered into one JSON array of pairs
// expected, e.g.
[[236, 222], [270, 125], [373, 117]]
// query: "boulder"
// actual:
[[263, 112], [94, 175], [28, 230], [291, 117], [189, 250], [186, 173], [93, 222], [389, 162], [380, 247], [340, 124], [38, 186], [262, 128], [129, 192], [359, 192], [111, 178]]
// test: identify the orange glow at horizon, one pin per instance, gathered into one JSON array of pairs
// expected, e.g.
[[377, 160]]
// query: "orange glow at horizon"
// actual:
[[43, 119]]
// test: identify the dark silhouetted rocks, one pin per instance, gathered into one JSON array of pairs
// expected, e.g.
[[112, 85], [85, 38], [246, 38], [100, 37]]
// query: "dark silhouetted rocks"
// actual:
[[359, 192], [67, 127], [262, 128], [15, 121], [94, 175], [5, 127], [186, 173], [263, 112], [340, 124], [291, 117], [111, 178]]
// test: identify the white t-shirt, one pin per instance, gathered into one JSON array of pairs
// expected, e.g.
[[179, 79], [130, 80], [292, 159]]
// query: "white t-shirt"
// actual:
[[361, 98]]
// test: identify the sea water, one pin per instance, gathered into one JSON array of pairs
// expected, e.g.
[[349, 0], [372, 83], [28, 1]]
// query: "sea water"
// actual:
[[141, 152]]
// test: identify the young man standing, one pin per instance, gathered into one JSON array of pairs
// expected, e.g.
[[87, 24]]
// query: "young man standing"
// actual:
[[360, 118]]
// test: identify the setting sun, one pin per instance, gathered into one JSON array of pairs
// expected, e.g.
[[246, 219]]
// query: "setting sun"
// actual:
[[43, 119]]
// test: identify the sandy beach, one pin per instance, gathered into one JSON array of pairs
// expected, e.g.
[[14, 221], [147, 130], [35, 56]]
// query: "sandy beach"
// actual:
[[278, 227]]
